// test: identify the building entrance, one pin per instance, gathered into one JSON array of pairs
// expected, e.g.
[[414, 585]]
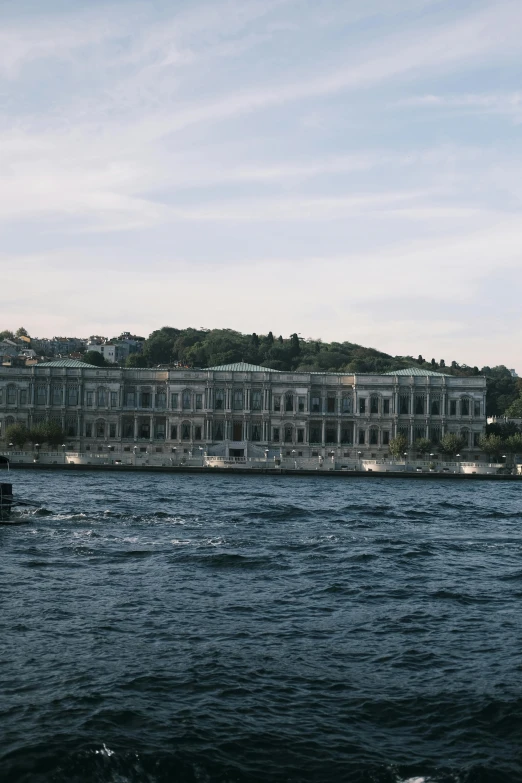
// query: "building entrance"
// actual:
[[237, 431], [237, 452]]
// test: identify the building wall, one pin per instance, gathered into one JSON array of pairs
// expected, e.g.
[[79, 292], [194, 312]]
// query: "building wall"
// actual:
[[311, 414]]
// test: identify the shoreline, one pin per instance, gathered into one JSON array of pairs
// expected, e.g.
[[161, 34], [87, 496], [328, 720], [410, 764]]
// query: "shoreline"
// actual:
[[347, 474]]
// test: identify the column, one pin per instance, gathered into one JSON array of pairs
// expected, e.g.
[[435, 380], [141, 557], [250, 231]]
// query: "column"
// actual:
[[338, 432], [323, 433], [151, 428], [135, 427]]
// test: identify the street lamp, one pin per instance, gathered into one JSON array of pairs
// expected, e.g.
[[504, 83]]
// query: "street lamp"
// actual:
[[135, 449], [295, 461], [37, 456], [63, 449], [266, 455], [359, 455]]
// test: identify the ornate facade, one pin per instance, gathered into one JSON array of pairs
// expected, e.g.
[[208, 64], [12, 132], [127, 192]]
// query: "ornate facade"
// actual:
[[240, 408]]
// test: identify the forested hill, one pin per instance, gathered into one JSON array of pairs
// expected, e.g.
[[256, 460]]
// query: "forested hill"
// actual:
[[208, 348]]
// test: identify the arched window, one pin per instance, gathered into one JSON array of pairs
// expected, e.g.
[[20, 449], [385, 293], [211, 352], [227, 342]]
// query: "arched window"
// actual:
[[465, 406], [219, 401], [288, 433], [100, 428], [435, 406], [420, 404], [374, 436], [185, 430]]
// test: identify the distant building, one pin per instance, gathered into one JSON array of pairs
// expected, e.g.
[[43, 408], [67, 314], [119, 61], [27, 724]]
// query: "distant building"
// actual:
[[239, 409]]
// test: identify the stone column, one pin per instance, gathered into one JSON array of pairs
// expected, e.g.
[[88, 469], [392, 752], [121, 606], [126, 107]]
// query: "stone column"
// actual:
[[135, 427]]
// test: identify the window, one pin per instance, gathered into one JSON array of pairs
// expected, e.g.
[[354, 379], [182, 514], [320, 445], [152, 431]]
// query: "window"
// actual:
[[464, 407], [199, 402], [404, 404], [174, 400], [11, 395], [300, 436], [159, 429], [347, 434], [374, 436], [257, 399], [219, 400], [114, 399], [404, 431], [275, 434], [386, 407], [70, 426], [476, 408], [130, 398], [301, 404], [88, 429], [256, 432], [218, 430], [330, 404], [435, 435], [316, 433], [362, 437], [289, 402], [419, 404], [288, 434], [331, 435], [57, 395], [127, 427], [237, 400], [185, 431], [346, 405], [277, 402], [100, 429], [89, 399], [385, 437], [362, 406], [102, 398], [419, 433], [197, 432], [435, 407], [185, 400], [144, 429], [112, 430], [1, 396], [316, 405], [173, 431], [146, 399], [161, 399], [476, 438], [158, 450], [453, 407], [23, 396], [374, 404]]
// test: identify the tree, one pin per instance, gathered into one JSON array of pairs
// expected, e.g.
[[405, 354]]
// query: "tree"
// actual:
[[6, 335], [492, 444], [420, 359], [136, 360], [53, 433], [37, 434], [17, 434], [398, 446], [21, 332], [433, 363], [513, 444], [442, 363], [423, 445], [514, 411], [93, 357], [451, 444]]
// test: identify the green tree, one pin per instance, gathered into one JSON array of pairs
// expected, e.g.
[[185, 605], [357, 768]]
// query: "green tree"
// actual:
[[17, 434], [136, 360], [398, 446], [7, 334], [514, 411], [492, 444], [513, 444], [53, 433], [37, 434], [21, 332], [423, 445], [451, 444], [95, 358]]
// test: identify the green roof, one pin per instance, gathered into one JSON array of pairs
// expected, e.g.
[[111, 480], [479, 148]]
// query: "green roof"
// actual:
[[241, 367], [416, 371], [73, 363]]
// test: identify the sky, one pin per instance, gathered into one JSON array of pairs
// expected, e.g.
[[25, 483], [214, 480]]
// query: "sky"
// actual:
[[341, 169]]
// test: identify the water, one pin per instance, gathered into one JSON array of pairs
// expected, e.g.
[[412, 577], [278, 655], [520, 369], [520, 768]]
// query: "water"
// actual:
[[228, 628]]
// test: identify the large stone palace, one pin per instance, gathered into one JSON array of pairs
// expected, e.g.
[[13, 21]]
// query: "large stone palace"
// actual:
[[239, 409]]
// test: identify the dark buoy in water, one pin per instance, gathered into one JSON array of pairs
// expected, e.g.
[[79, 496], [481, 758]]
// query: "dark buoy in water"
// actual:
[[6, 501]]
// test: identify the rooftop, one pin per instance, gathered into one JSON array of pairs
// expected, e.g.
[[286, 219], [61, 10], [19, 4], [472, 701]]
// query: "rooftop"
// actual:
[[73, 363], [240, 367], [416, 371]]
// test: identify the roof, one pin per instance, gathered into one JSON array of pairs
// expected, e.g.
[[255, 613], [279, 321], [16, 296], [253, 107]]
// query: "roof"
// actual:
[[416, 371], [73, 363], [241, 367]]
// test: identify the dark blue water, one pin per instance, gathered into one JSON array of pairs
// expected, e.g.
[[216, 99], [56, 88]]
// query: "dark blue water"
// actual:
[[222, 628]]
